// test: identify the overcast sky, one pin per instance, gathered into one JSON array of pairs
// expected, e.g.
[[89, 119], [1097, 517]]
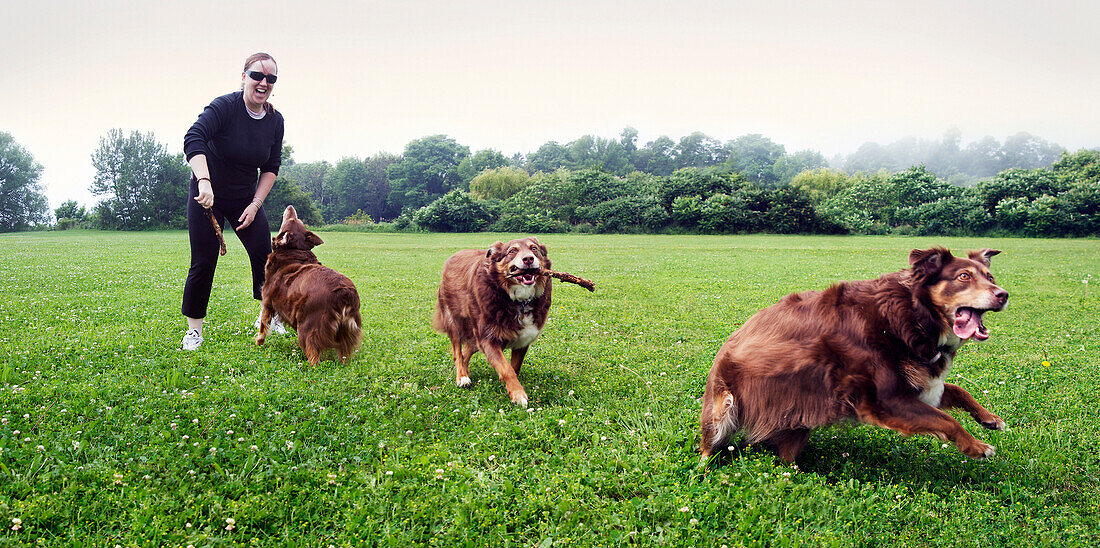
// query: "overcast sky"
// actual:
[[361, 77]]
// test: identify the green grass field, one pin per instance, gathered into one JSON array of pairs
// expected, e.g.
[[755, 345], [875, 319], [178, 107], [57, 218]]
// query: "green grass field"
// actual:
[[111, 435]]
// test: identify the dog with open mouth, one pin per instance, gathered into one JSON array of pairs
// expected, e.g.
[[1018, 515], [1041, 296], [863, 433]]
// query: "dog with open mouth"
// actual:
[[493, 300], [876, 351]]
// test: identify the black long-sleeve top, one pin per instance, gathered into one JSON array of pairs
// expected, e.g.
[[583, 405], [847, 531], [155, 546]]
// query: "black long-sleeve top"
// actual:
[[237, 147]]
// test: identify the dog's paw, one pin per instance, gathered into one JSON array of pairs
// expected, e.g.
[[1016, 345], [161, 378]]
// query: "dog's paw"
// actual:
[[993, 423], [981, 451], [464, 382], [990, 451], [520, 399], [260, 339]]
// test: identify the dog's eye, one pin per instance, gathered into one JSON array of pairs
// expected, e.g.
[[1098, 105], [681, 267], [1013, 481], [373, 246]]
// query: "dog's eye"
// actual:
[[964, 277]]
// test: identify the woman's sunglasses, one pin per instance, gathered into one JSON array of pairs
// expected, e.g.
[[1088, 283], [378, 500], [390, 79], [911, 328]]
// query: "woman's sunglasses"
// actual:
[[257, 76]]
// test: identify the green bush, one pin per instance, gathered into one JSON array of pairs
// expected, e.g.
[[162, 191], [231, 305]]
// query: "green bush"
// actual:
[[626, 214], [456, 211]]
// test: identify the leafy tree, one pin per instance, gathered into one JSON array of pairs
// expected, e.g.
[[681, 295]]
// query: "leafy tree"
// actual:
[[286, 157], [346, 188], [286, 192], [499, 184], [1026, 151], [754, 157], [548, 158], [983, 158], [480, 161], [70, 215], [70, 209], [628, 138], [144, 186], [428, 169], [658, 157], [376, 197], [310, 177], [788, 166], [22, 204], [699, 150], [590, 152], [869, 158]]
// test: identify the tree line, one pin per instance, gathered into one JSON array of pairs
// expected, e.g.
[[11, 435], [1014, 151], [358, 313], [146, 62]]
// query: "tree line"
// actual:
[[1024, 186]]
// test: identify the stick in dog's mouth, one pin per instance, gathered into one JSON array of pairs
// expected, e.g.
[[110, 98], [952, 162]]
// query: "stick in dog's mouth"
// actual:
[[569, 278]]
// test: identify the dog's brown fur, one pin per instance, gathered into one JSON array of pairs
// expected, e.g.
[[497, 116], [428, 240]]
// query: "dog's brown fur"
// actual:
[[493, 300], [320, 303], [876, 351]]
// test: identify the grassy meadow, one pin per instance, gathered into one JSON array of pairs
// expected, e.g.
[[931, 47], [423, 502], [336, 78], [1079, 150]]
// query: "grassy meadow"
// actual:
[[111, 435]]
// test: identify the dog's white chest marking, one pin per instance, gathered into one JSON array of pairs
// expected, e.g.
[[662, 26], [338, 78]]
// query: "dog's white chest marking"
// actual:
[[527, 334], [520, 292], [933, 389]]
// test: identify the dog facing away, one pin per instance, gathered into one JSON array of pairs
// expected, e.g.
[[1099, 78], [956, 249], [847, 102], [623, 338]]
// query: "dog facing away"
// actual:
[[320, 303], [876, 351], [491, 301]]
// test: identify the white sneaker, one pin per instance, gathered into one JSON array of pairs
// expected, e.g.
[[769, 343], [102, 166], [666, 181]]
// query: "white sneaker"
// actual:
[[276, 327], [192, 340]]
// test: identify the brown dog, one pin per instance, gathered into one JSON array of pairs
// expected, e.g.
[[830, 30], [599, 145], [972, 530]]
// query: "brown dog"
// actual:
[[320, 303], [876, 351], [493, 300]]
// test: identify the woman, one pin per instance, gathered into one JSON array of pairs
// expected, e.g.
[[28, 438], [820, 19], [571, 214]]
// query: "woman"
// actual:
[[237, 136]]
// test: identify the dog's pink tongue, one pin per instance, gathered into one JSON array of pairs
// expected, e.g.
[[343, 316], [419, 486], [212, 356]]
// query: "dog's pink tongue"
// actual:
[[966, 323]]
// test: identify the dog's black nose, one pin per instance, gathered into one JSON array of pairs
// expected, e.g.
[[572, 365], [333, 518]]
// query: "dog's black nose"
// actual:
[[528, 260], [1001, 296]]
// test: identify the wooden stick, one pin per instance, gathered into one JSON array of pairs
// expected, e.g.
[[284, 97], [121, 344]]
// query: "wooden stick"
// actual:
[[587, 284], [217, 229]]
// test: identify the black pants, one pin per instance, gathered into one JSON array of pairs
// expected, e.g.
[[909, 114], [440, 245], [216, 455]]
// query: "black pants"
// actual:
[[256, 238]]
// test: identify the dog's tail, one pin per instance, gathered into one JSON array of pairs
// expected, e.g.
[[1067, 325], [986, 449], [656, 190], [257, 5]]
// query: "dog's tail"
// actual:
[[718, 420], [349, 332]]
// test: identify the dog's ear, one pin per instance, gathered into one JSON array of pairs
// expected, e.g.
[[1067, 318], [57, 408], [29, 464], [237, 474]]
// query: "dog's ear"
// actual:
[[313, 240], [280, 240], [495, 252], [928, 262], [983, 255]]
